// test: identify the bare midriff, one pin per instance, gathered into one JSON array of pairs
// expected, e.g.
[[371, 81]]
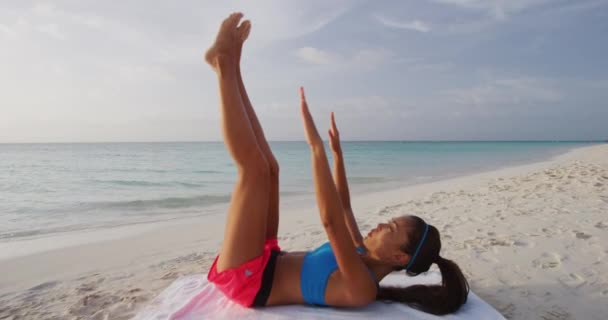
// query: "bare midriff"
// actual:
[[286, 281]]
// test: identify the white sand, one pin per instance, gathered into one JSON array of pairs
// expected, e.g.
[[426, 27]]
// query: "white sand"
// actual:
[[531, 240]]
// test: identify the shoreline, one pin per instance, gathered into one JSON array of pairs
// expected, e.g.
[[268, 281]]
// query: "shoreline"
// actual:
[[128, 233], [459, 206], [29, 245]]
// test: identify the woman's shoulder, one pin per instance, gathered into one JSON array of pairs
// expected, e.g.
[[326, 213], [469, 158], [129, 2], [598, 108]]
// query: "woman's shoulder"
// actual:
[[341, 294]]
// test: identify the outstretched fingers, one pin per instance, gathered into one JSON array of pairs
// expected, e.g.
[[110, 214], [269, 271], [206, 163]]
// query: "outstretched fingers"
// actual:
[[333, 126], [304, 106], [333, 121], [310, 130], [334, 135], [302, 96]]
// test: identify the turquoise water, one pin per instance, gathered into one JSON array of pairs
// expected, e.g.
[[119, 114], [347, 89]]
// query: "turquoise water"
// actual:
[[53, 188]]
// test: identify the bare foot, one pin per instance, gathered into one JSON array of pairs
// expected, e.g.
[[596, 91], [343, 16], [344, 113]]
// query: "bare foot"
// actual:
[[227, 42]]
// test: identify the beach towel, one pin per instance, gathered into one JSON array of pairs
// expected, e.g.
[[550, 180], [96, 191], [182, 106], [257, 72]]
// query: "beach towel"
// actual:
[[192, 297]]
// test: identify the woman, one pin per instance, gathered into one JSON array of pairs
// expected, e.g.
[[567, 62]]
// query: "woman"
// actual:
[[250, 268]]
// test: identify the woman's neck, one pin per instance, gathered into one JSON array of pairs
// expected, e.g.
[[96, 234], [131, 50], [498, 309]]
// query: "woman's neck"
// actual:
[[378, 268]]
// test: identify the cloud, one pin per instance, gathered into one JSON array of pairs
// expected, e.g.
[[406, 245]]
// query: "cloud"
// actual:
[[416, 25], [52, 30], [473, 16], [511, 93], [582, 5], [361, 106], [44, 9], [130, 61], [133, 62], [316, 56], [364, 59], [371, 58], [7, 31], [498, 9]]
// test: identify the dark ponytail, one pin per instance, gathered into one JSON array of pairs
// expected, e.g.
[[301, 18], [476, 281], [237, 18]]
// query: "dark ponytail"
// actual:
[[436, 299]]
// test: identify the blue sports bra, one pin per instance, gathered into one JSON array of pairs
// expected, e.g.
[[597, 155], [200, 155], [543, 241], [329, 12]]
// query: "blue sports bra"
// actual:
[[317, 266]]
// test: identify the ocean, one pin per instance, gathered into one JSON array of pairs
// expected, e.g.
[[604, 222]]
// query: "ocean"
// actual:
[[50, 189]]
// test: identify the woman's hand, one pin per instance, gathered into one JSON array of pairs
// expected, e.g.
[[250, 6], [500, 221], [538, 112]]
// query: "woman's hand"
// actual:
[[334, 136], [310, 130]]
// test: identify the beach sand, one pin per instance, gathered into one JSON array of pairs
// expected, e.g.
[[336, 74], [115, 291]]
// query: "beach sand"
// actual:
[[531, 240]]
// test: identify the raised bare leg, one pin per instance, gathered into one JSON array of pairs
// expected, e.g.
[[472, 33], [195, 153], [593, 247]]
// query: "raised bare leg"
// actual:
[[245, 230], [272, 225]]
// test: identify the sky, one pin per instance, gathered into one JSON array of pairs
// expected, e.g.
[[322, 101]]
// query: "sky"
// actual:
[[92, 71]]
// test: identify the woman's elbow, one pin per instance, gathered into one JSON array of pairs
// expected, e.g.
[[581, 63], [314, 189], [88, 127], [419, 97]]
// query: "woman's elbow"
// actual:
[[329, 223]]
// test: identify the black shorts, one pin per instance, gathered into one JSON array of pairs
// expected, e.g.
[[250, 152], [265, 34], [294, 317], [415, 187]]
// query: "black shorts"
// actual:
[[267, 277]]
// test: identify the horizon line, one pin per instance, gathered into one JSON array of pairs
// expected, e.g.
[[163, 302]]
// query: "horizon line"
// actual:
[[380, 140]]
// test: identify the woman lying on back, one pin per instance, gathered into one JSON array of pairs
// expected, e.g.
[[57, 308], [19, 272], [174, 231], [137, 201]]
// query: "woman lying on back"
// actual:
[[251, 269]]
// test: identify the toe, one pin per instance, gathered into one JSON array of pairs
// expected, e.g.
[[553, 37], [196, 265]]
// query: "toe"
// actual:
[[244, 29], [227, 19], [234, 19]]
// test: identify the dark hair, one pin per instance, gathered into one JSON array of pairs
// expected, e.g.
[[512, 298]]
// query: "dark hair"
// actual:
[[436, 299]]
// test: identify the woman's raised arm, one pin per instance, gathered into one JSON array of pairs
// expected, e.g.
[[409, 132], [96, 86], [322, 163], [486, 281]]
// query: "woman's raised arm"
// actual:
[[342, 183], [362, 288]]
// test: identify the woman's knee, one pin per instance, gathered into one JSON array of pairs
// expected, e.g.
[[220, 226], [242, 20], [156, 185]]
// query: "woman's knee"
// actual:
[[274, 167], [255, 164]]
